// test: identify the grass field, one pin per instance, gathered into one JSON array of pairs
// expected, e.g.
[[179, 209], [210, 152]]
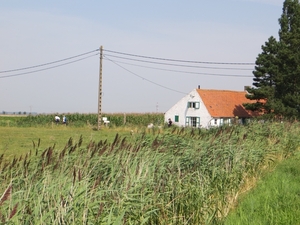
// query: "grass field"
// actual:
[[159, 176], [20, 140], [275, 199]]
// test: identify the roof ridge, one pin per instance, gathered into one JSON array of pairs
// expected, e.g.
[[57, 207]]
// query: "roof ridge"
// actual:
[[219, 90]]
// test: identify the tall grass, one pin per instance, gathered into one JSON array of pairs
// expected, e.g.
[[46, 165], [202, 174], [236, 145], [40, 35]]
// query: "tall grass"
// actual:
[[175, 176]]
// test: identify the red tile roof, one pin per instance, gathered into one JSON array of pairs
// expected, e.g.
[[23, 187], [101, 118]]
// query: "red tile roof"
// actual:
[[223, 103]]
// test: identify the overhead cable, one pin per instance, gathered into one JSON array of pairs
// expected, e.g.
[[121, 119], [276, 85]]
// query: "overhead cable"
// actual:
[[178, 65], [146, 78], [180, 71], [34, 71], [177, 60], [45, 64]]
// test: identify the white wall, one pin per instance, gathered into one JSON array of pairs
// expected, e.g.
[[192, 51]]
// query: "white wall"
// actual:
[[180, 109]]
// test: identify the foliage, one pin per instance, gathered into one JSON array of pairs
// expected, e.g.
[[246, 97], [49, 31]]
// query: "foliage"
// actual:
[[174, 176], [277, 81]]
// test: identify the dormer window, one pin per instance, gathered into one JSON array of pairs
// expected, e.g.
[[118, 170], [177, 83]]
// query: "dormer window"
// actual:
[[195, 105]]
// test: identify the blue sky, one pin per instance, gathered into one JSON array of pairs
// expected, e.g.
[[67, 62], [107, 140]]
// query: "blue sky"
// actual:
[[39, 32]]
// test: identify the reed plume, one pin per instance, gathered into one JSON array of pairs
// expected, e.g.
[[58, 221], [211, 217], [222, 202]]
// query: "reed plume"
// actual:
[[6, 194]]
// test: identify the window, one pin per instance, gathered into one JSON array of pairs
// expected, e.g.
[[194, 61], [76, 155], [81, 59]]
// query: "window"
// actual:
[[176, 118], [195, 105], [187, 121], [192, 121]]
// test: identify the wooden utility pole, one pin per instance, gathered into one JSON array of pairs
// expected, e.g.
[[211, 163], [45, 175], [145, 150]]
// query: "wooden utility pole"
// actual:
[[100, 90]]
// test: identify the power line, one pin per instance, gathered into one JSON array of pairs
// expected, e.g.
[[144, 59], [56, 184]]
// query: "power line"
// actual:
[[138, 60], [34, 71], [45, 64], [177, 60], [180, 65], [180, 71], [146, 78]]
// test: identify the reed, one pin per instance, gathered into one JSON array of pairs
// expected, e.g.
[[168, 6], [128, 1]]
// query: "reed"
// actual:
[[169, 176]]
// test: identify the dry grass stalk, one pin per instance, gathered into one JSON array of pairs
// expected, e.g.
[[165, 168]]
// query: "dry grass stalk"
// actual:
[[6, 194], [13, 162], [80, 141], [44, 153], [123, 143], [90, 145], [96, 183], [14, 211], [102, 150], [79, 175], [2, 219], [115, 142], [72, 149], [74, 176], [62, 154], [70, 142], [93, 152], [39, 142], [1, 158], [49, 155], [100, 210]]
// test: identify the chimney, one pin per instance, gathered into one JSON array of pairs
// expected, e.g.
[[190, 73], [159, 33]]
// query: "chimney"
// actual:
[[198, 86]]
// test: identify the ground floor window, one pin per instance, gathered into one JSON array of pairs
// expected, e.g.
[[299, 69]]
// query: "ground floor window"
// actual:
[[221, 121], [192, 121], [176, 118]]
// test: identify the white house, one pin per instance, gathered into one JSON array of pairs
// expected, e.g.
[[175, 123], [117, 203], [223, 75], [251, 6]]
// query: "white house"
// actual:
[[207, 108]]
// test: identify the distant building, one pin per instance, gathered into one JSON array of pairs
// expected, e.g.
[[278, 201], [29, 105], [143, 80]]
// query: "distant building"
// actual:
[[209, 108]]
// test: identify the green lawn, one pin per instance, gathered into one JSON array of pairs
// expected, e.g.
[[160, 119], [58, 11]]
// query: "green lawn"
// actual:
[[18, 140], [275, 200]]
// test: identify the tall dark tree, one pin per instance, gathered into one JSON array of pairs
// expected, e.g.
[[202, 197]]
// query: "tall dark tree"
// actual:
[[266, 70], [277, 71], [288, 84]]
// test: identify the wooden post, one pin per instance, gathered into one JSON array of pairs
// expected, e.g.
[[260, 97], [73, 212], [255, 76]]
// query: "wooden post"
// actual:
[[100, 90]]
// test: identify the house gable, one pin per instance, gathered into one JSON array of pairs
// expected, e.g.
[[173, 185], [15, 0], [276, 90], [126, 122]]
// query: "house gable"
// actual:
[[190, 106]]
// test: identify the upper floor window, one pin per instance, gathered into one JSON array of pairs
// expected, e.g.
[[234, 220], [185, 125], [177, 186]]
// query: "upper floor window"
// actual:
[[195, 105]]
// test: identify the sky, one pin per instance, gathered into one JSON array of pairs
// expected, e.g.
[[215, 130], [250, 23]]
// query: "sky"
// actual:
[[154, 52]]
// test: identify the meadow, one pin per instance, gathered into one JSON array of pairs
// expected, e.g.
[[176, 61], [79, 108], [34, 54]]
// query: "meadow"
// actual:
[[129, 174], [274, 200]]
